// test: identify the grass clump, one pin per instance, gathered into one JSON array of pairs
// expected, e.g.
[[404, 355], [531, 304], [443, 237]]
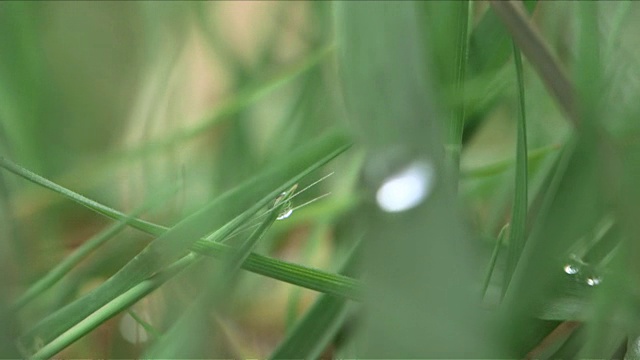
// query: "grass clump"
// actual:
[[483, 202]]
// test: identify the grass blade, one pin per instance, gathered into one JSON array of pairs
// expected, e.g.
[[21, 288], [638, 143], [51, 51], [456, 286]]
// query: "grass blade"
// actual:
[[188, 335], [494, 257], [489, 45], [460, 46], [185, 338], [114, 307], [73, 196], [81, 253], [244, 98], [518, 231], [295, 274], [536, 50], [164, 250], [390, 101]]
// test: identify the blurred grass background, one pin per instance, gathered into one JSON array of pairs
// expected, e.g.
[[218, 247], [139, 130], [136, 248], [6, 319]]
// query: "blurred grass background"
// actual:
[[166, 109]]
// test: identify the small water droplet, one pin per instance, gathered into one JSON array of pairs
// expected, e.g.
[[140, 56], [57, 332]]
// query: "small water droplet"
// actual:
[[407, 188], [574, 266], [571, 269], [285, 199], [593, 280], [286, 212]]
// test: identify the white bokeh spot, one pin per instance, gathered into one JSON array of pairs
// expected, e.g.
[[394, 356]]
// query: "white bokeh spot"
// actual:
[[407, 188], [131, 331]]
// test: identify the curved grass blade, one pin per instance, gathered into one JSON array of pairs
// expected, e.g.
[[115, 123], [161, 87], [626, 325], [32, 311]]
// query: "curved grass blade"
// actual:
[[215, 116], [82, 200], [241, 100], [131, 297], [295, 274], [494, 257], [69, 262], [518, 231], [499, 167], [178, 240], [191, 332], [114, 307]]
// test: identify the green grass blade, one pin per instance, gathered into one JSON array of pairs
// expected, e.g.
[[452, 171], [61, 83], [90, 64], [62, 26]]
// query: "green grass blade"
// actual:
[[239, 255], [114, 307], [191, 331], [277, 269], [490, 44], [499, 167], [460, 46], [518, 231], [237, 102], [312, 333], [390, 102], [494, 257], [603, 337], [81, 253], [295, 295], [554, 341], [313, 279], [243, 99], [537, 51], [131, 297], [82, 200], [166, 248]]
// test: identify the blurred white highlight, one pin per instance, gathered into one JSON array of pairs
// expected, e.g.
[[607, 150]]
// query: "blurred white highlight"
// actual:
[[407, 188], [131, 331]]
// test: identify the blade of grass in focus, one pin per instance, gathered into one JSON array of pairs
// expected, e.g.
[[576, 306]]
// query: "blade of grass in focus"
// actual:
[[277, 269], [182, 236]]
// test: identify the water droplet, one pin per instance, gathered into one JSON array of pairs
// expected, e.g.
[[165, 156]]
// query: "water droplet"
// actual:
[[593, 280], [575, 265], [407, 188], [286, 212], [571, 269], [285, 199]]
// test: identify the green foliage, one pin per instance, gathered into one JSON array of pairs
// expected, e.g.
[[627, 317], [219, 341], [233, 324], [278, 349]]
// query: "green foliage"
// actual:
[[483, 202]]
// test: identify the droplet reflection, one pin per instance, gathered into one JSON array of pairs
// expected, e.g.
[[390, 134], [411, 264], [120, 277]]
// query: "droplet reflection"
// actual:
[[286, 212], [571, 269], [407, 188], [593, 280]]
